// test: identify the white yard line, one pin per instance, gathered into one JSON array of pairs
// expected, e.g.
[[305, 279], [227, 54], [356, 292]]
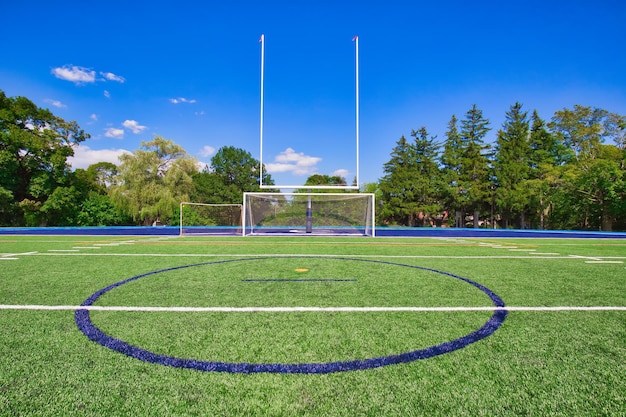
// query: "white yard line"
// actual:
[[304, 309]]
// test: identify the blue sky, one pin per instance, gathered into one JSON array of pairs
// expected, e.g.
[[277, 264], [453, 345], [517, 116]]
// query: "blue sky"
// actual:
[[190, 71]]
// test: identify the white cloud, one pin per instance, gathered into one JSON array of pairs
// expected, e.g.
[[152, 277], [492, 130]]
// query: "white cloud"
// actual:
[[295, 162], [207, 151], [343, 173], [75, 74], [202, 166], [133, 126], [107, 94], [112, 77], [113, 132], [85, 156], [55, 103], [182, 100], [94, 117]]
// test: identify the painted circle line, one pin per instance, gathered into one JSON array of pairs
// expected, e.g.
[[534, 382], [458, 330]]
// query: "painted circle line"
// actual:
[[89, 329]]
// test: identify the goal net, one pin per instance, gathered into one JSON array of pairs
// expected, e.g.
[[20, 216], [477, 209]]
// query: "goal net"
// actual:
[[210, 219], [309, 213]]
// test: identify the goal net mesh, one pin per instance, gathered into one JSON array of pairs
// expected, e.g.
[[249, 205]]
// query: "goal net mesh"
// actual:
[[309, 213], [210, 219]]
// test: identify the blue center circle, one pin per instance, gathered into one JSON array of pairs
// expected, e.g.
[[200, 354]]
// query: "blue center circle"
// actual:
[[89, 329]]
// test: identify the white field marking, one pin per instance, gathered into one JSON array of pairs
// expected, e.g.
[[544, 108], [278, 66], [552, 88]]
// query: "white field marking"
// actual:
[[522, 250], [63, 250], [604, 262], [279, 255], [304, 309], [5, 258], [544, 253], [11, 255], [86, 247], [592, 258]]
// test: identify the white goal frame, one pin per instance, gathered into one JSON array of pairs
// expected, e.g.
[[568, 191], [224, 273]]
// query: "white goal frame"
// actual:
[[211, 230], [370, 215], [318, 187]]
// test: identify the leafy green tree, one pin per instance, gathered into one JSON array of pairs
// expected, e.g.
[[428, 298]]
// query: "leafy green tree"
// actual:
[[232, 172], [98, 210], [511, 164], [602, 193], [581, 129], [153, 181], [34, 147], [325, 180], [320, 179]]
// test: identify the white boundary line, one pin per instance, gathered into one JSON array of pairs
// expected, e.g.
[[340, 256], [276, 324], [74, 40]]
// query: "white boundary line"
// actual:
[[303, 309], [283, 255]]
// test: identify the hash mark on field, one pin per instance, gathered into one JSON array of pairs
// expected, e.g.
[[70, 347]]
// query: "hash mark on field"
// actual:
[[604, 262], [591, 258]]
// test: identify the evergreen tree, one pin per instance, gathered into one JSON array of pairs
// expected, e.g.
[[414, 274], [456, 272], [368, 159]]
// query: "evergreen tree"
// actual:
[[474, 177], [511, 165], [546, 155], [396, 186], [451, 168], [410, 185], [427, 177]]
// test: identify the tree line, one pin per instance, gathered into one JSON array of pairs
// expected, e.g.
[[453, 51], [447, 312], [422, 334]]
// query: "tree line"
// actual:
[[560, 174]]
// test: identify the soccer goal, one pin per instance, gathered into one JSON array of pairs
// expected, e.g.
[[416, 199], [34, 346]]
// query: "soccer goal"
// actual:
[[309, 214], [198, 219]]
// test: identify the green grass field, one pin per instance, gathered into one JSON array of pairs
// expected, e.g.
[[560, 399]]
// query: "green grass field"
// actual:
[[341, 300]]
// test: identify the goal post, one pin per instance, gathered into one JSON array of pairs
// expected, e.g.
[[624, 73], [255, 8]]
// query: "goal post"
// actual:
[[198, 219], [330, 214]]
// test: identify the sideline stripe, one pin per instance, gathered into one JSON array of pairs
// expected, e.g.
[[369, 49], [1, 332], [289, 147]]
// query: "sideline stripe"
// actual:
[[305, 309]]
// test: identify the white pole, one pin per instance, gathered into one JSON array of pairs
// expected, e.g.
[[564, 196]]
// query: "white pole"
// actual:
[[356, 40], [262, 40]]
